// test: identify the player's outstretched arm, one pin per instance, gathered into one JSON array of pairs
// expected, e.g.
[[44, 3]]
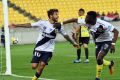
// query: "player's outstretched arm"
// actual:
[[27, 25], [70, 21], [70, 40]]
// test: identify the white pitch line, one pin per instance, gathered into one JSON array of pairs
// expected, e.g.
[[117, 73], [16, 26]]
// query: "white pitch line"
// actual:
[[14, 75]]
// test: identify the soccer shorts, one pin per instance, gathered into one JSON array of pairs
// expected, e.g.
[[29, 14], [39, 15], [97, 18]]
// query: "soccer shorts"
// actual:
[[41, 56], [84, 40], [103, 46]]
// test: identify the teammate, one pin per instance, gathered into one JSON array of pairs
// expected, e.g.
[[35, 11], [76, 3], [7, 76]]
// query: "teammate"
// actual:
[[82, 38], [45, 44], [101, 32]]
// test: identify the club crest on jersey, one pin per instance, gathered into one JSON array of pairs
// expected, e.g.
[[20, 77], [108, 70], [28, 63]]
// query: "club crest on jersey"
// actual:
[[100, 28]]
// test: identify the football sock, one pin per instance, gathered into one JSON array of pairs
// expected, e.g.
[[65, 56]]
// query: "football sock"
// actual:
[[99, 70], [37, 75], [78, 53], [86, 53], [106, 63]]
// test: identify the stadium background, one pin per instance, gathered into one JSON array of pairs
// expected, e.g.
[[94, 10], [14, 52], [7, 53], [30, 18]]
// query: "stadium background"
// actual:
[[24, 11]]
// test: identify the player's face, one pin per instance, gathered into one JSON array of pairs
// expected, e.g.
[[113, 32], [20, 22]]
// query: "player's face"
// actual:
[[55, 16], [80, 13], [89, 20]]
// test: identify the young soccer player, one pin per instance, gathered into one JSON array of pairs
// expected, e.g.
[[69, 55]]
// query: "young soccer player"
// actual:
[[45, 44], [101, 32]]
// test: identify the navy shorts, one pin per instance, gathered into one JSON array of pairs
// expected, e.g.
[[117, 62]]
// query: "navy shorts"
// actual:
[[84, 40], [103, 46], [41, 56]]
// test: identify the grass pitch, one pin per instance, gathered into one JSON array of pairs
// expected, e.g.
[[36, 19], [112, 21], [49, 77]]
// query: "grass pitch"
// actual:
[[61, 66]]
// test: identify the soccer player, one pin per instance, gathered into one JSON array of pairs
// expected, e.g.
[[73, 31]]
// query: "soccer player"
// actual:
[[83, 37], [45, 44], [102, 34], [3, 37]]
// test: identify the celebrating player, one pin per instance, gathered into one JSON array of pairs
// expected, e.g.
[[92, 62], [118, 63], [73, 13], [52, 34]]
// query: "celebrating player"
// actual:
[[45, 44], [101, 32]]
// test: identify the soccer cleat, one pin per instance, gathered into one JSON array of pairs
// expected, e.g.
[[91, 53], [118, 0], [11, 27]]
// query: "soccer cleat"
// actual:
[[34, 78], [86, 61], [77, 61], [111, 67], [97, 78]]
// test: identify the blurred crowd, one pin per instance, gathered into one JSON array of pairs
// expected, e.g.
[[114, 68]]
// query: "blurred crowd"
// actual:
[[110, 16]]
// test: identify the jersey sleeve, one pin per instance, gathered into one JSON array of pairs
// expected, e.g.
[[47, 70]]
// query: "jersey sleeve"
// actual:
[[110, 27], [62, 31], [38, 24]]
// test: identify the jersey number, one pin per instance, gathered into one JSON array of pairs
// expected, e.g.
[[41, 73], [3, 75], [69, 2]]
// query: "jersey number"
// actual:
[[37, 54]]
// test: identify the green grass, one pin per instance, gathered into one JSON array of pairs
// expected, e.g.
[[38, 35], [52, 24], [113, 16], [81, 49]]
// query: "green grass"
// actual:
[[61, 66]]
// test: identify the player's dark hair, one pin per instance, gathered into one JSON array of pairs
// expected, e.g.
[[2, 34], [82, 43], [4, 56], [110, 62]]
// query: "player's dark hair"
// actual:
[[81, 9], [93, 14], [51, 12]]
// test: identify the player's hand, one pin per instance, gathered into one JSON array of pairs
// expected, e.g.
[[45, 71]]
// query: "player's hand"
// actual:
[[57, 25], [12, 26], [76, 45], [112, 50]]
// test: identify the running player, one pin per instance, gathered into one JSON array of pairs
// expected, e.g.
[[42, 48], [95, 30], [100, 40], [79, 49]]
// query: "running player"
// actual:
[[101, 32], [45, 44]]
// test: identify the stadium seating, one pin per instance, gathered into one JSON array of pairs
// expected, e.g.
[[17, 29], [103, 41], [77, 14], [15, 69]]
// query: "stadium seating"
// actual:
[[14, 16], [67, 8], [1, 16]]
